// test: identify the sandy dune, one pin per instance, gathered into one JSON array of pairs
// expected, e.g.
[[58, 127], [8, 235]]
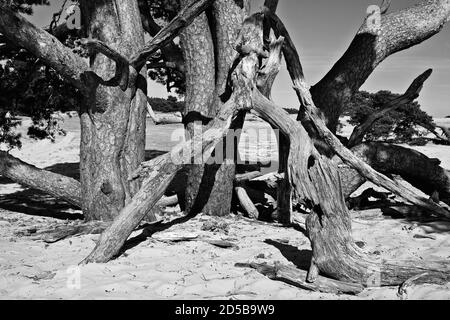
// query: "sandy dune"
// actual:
[[156, 269]]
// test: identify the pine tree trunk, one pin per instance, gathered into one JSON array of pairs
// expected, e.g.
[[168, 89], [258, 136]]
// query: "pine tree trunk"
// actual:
[[198, 52], [210, 187], [113, 121]]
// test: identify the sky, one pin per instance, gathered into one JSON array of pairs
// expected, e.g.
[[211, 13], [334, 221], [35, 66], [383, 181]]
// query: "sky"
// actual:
[[322, 30]]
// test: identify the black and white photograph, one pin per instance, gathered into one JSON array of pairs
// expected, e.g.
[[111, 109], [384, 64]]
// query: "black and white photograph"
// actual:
[[225, 154]]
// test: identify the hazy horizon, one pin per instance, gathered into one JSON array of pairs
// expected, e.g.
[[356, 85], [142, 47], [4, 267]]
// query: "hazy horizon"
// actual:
[[322, 30]]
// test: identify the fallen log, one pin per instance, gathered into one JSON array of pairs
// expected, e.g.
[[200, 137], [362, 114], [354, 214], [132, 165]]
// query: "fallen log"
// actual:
[[51, 183], [297, 277], [246, 203], [422, 172]]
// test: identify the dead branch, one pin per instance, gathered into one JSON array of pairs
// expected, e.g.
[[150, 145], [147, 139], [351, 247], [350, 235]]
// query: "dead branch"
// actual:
[[398, 31], [311, 117], [246, 203], [161, 120], [409, 96], [297, 277]]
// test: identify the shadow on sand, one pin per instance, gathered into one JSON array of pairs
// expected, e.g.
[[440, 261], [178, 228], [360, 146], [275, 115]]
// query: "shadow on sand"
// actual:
[[36, 203]]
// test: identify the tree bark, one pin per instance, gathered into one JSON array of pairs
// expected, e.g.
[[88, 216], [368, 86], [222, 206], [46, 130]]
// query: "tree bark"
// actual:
[[371, 46], [209, 187], [163, 169], [54, 184], [317, 185], [198, 53], [113, 120]]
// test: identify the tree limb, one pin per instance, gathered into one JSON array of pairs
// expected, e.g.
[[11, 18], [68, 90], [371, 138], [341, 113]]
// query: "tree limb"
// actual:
[[311, 116], [171, 53], [410, 95], [172, 30], [51, 183], [398, 31], [158, 120], [44, 46]]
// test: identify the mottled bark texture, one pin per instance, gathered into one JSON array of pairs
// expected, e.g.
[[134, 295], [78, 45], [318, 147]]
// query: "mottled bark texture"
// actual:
[[399, 31], [113, 121], [317, 185], [209, 50], [198, 52]]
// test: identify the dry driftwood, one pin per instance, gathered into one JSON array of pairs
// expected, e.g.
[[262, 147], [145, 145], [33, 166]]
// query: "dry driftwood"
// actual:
[[163, 119], [246, 203], [297, 277], [317, 185], [312, 119]]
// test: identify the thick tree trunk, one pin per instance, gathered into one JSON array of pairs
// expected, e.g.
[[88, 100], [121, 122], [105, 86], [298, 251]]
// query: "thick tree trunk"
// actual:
[[317, 185], [198, 52], [209, 187], [113, 122], [163, 169]]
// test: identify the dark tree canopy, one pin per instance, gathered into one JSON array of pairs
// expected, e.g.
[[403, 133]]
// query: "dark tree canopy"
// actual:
[[400, 125]]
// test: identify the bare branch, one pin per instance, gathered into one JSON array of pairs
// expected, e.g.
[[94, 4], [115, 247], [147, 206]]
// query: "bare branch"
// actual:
[[371, 46], [310, 114], [290, 53], [44, 46], [158, 120], [268, 74], [171, 53], [172, 30], [410, 95]]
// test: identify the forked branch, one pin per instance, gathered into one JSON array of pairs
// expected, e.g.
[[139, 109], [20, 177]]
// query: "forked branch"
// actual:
[[170, 32]]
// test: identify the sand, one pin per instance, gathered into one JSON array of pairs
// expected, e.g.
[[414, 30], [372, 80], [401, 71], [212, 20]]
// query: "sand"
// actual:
[[158, 269]]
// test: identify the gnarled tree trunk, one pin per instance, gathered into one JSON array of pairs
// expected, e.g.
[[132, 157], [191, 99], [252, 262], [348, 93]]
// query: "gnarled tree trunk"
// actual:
[[112, 120]]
